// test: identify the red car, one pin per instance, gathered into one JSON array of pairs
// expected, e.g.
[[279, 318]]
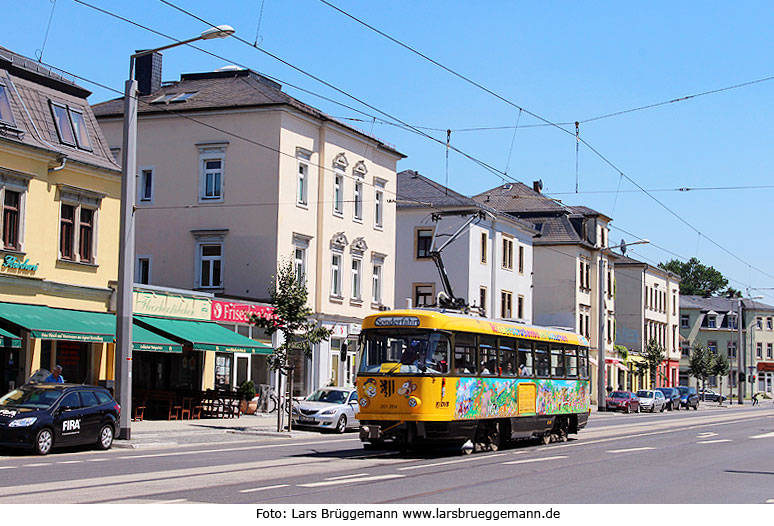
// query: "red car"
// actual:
[[625, 401]]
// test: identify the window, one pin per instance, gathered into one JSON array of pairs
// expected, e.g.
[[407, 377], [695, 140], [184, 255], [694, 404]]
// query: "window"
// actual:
[[6, 115], [580, 323], [424, 242], [11, 215], [712, 346], [712, 321], [423, 294], [525, 358], [86, 235], [70, 126], [336, 275], [520, 307], [585, 275], [146, 185], [768, 351], [684, 321], [299, 263], [379, 208], [674, 302], [67, 232], [358, 198], [143, 270], [211, 265], [464, 353], [376, 284], [356, 278], [732, 321], [487, 350], [338, 193], [211, 171], [759, 322], [542, 360], [759, 350], [557, 361], [508, 359], [484, 244], [506, 304], [77, 225], [507, 253], [571, 358], [588, 330], [609, 331], [609, 282], [303, 183], [521, 259], [768, 323], [482, 297], [731, 349], [79, 127], [64, 127]]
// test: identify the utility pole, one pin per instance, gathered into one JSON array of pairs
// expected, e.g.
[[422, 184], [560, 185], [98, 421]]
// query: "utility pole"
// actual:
[[739, 370], [601, 366]]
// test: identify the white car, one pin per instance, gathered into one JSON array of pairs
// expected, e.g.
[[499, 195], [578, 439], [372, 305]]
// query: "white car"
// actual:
[[651, 400], [332, 408]]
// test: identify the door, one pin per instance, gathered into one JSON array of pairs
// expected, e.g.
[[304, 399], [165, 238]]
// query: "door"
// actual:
[[92, 416], [68, 421]]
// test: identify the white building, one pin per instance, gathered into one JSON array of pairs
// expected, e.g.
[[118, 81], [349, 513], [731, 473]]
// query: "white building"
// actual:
[[235, 176]]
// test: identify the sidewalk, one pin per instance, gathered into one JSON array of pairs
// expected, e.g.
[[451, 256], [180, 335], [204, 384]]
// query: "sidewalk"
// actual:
[[163, 433]]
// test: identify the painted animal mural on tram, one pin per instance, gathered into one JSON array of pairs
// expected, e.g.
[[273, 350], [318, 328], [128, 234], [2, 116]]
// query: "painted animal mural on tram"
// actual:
[[488, 398]]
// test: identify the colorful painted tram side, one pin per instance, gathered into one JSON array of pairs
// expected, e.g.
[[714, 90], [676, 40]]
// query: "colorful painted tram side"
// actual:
[[427, 376]]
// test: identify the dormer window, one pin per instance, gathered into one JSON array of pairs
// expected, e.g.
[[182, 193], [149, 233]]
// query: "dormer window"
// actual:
[[173, 97], [70, 126], [6, 115]]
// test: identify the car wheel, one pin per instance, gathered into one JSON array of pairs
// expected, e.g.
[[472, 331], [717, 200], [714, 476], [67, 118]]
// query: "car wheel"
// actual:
[[44, 441], [627, 410], [105, 437], [696, 407], [341, 426], [662, 409], [638, 409], [653, 408]]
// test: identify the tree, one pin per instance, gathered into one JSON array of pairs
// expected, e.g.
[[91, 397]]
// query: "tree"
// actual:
[[696, 279], [654, 355], [700, 363], [291, 318], [720, 368]]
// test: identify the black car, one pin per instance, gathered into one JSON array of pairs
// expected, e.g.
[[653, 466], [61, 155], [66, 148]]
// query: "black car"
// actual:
[[672, 396], [43, 416], [688, 397]]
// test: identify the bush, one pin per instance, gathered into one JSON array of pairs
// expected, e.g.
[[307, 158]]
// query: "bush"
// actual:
[[247, 390]]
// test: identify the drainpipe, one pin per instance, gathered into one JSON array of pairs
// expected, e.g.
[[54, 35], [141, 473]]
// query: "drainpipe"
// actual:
[[62, 159]]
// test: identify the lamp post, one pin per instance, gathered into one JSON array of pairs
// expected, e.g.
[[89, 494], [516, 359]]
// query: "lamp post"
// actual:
[[601, 407], [123, 372], [740, 386]]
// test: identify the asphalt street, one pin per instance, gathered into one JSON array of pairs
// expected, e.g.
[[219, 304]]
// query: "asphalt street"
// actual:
[[716, 455]]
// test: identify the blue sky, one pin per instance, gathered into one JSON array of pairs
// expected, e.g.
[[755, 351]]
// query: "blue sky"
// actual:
[[564, 61]]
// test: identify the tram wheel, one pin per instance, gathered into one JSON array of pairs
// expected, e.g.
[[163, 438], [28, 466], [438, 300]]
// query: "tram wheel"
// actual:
[[546, 439]]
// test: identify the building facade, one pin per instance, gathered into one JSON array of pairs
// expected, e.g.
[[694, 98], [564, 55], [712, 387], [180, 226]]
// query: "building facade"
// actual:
[[489, 264], [648, 308], [236, 177], [60, 193], [569, 251]]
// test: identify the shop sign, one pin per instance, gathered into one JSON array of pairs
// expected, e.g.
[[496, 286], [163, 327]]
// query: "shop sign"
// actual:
[[171, 306], [229, 311], [354, 328], [766, 366], [14, 263], [339, 331]]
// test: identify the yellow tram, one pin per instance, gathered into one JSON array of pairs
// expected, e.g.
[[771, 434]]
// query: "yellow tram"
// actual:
[[427, 376]]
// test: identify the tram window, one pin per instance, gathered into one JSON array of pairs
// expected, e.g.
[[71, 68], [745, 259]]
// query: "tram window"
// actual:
[[526, 363], [488, 355], [507, 357], [583, 368], [542, 362], [571, 357], [411, 352], [465, 354], [557, 361]]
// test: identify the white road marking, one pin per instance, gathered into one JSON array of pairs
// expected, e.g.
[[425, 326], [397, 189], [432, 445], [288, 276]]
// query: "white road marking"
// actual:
[[8, 467], [98, 460], [765, 435], [173, 501], [714, 441], [706, 434], [251, 490], [243, 448], [770, 501], [345, 481], [70, 462], [348, 476], [630, 449], [469, 459], [37, 465], [530, 460]]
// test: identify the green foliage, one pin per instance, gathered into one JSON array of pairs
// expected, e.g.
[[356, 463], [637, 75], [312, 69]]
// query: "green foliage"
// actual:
[[247, 390], [622, 351], [291, 317], [696, 279], [720, 366], [700, 363], [654, 355]]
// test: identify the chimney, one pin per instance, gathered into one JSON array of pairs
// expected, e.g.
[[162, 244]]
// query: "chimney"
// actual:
[[537, 186], [147, 72]]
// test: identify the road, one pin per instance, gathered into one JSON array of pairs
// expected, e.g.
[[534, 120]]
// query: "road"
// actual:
[[709, 456]]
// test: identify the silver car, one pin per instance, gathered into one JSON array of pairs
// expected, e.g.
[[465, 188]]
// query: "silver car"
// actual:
[[332, 408], [651, 400]]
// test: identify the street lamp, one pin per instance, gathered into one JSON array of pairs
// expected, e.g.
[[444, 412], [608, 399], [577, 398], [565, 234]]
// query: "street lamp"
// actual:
[[602, 318], [123, 373]]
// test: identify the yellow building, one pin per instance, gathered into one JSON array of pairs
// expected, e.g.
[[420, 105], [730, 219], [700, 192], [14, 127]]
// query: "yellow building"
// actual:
[[60, 196]]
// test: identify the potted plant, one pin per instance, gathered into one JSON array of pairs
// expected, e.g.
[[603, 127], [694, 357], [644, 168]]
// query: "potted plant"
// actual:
[[247, 393]]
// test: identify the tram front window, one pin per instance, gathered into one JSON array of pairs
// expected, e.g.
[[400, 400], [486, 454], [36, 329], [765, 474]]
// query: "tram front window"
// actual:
[[398, 351]]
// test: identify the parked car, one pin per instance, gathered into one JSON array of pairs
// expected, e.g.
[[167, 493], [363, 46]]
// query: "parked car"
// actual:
[[331, 408], [625, 401], [651, 400], [708, 395], [672, 396], [45, 416], [688, 397]]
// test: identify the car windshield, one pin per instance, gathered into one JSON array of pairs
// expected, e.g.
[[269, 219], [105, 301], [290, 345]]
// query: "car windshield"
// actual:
[[331, 396], [404, 350], [645, 394], [30, 398], [619, 394], [684, 390]]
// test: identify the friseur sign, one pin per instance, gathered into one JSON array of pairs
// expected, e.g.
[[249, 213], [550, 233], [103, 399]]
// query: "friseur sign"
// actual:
[[171, 305], [234, 312]]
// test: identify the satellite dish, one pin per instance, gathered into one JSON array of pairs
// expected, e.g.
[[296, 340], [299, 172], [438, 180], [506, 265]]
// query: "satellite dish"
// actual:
[[623, 246]]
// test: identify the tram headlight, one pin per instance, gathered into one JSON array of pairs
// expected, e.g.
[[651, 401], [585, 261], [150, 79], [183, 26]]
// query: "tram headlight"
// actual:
[[414, 401]]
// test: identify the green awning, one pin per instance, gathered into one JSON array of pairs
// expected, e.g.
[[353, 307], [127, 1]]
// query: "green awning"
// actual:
[[47, 323], [9, 340], [203, 335], [145, 340]]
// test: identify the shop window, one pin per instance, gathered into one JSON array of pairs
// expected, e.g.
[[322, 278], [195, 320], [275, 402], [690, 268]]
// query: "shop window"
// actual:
[[223, 363]]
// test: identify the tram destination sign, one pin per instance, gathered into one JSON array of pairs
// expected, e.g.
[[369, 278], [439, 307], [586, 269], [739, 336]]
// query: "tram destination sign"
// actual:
[[397, 321]]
